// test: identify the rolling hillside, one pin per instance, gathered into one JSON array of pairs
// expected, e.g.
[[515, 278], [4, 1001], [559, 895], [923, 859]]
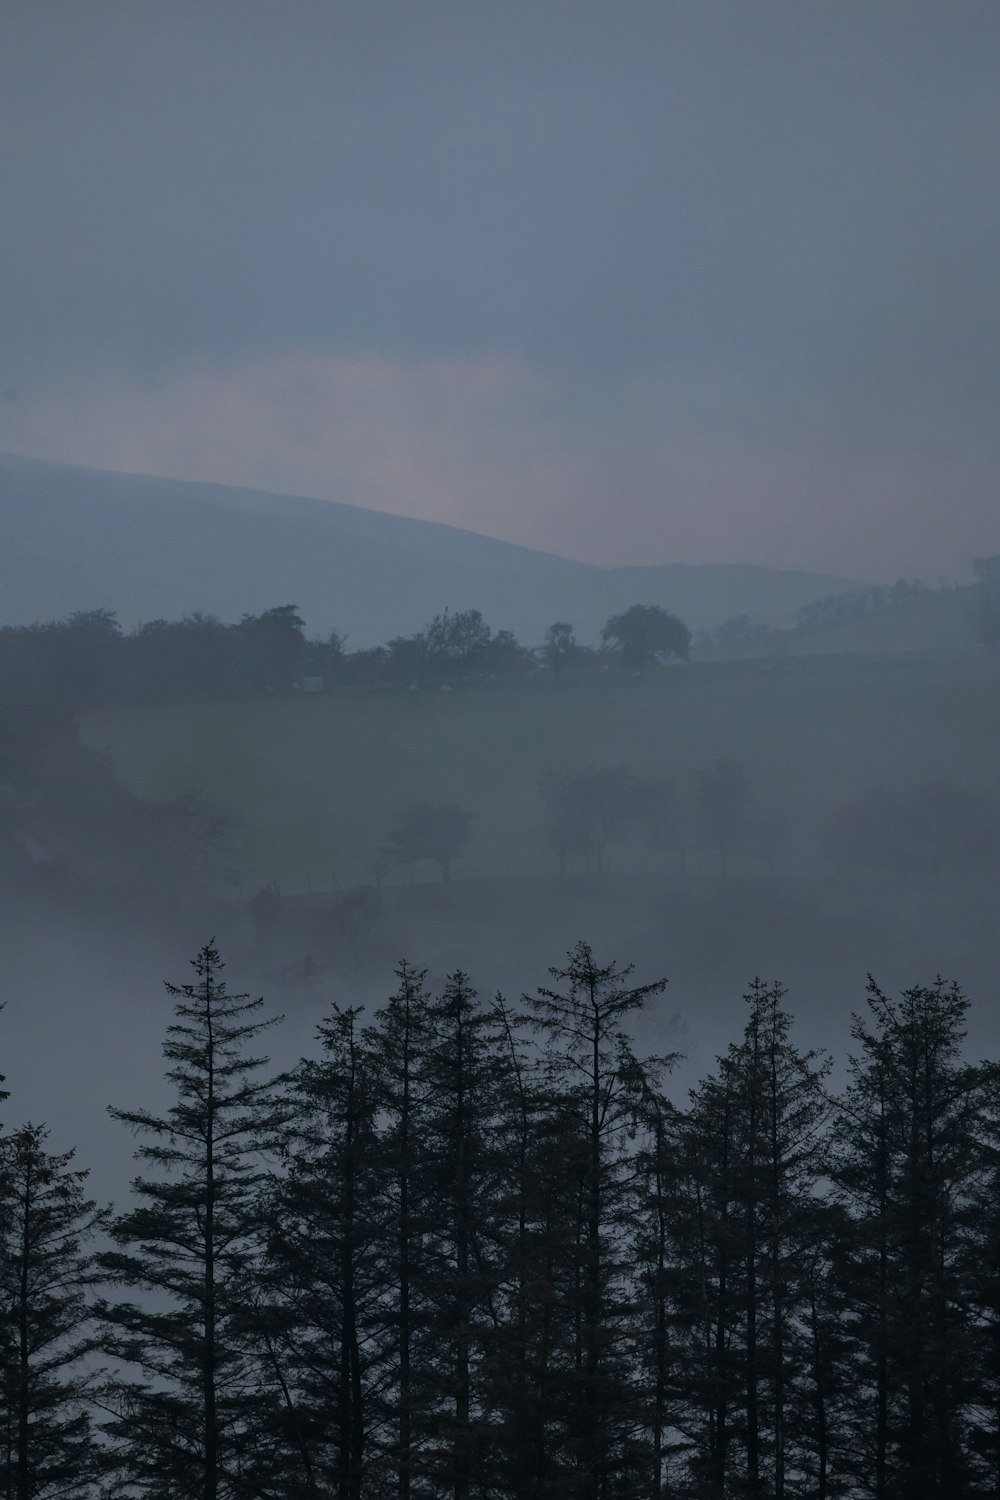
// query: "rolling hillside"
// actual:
[[73, 538]]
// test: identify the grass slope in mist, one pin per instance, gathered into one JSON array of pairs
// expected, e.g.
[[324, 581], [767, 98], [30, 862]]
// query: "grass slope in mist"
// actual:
[[319, 780]]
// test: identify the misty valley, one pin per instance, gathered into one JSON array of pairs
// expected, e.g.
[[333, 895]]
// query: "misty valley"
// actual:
[[499, 750], [585, 1159]]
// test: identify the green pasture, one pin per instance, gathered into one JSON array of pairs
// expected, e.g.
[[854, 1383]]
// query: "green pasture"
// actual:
[[319, 779]]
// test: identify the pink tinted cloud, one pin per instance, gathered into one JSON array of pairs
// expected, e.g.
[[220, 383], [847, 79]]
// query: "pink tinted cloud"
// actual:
[[656, 469]]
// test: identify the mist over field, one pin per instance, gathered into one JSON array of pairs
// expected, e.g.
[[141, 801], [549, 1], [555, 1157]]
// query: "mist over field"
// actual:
[[499, 751]]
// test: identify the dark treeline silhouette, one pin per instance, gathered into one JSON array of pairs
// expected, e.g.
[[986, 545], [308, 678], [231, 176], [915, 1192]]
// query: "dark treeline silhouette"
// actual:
[[475, 1249], [87, 660], [929, 832], [745, 636]]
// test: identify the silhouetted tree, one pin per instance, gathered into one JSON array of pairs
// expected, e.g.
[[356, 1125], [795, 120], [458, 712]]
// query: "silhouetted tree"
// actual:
[[188, 1419], [658, 1190], [47, 1273], [560, 647], [456, 640], [594, 1083], [274, 646], [463, 1074], [324, 1265], [196, 842], [324, 658], [197, 656], [504, 656], [432, 831], [907, 1166], [585, 811], [645, 634], [404, 1351], [755, 1155]]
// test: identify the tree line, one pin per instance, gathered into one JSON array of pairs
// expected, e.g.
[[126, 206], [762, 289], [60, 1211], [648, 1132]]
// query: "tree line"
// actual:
[[932, 830], [472, 1248], [87, 660], [745, 636]]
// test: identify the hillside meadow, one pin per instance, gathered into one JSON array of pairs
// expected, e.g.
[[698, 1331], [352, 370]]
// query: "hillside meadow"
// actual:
[[318, 780]]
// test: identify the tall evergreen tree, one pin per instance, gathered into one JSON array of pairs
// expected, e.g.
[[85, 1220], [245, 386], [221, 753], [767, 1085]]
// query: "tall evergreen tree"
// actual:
[[658, 1186], [324, 1255], [47, 1274], [187, 1421], [755, 1153], [910, 1127], [594, 1085], [463, 1074], [531, 1403], [398, 1041]]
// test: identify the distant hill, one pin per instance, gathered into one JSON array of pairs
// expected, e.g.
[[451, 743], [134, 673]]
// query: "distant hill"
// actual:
[[74, 538]]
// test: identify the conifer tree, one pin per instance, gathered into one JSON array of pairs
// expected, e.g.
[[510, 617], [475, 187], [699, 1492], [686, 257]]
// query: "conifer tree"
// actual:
[[593, 1085], [323, 1264], [755, 1154], [910, 1127], [46, 1277], [463, 1072], [658, 1183], [188, 1420], [398, 1042], [531, 1404]]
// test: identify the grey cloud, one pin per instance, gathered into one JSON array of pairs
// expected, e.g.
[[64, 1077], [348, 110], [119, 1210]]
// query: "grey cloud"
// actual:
[[792, 202]]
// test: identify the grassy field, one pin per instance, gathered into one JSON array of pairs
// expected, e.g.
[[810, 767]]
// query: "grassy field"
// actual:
[[319, 780]]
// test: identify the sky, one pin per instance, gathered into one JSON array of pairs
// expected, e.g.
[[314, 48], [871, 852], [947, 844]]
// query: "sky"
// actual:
[[651, 281]]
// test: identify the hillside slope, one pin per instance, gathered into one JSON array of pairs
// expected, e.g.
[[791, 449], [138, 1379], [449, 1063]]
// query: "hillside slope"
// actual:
[[76, 538]]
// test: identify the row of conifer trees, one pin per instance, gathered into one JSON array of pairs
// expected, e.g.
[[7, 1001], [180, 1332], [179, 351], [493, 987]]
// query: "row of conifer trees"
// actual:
[[471, 1249]]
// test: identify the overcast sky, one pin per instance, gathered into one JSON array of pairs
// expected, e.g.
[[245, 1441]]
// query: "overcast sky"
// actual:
[[631, 281]]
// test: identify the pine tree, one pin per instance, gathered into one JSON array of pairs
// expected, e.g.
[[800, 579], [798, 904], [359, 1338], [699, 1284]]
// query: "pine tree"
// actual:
[[404, 1351], [463, 1072], [46, 1277], [658, 1187], [324, 1251], [187, 1421], [593, 1086], [755, 1148], [910, 1132], [532, 1345]]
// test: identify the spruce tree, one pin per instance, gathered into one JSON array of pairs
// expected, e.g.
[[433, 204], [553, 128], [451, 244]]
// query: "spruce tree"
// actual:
[[525, 1389], [909, 1135], [325, 1254], [187, 1404], [47, 1274], [464, 1073], [756, 1151], [593, 1086], [403, 1350], [658, 1188]]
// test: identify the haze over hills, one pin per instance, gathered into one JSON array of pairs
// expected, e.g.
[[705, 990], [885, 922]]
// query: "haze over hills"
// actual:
[[76, 538]]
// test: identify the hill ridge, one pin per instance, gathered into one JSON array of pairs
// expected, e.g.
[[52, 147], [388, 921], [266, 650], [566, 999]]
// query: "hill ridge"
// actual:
[[148, 546]]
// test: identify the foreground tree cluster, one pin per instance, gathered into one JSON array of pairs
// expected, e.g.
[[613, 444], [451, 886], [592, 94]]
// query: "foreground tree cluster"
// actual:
[[471, 1249]]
